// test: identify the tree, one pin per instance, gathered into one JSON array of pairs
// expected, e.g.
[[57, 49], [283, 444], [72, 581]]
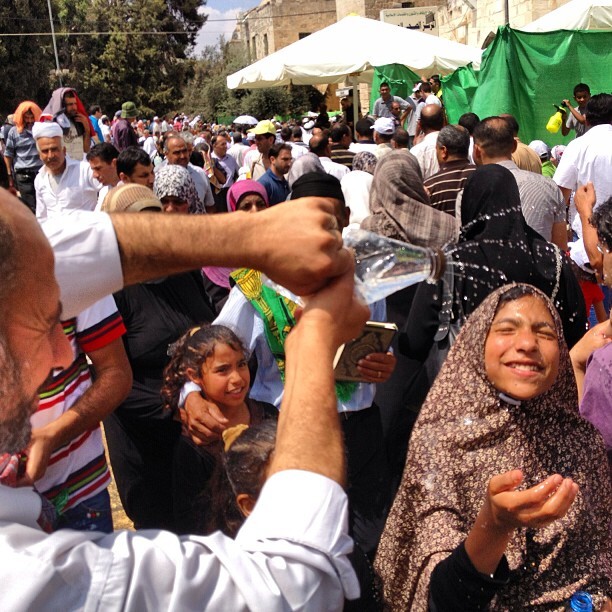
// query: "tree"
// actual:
[[25, 61], [207, 94], [131, 50], [140, 54]]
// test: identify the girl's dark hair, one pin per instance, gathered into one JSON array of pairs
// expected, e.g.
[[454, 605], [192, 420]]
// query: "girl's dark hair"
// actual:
[[241, 470], [191, 351]]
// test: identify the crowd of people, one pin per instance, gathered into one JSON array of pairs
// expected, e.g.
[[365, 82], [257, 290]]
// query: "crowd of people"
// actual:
[[468, 467]]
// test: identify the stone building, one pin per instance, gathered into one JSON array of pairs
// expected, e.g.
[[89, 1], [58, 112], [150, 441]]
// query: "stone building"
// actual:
[[274, 24]]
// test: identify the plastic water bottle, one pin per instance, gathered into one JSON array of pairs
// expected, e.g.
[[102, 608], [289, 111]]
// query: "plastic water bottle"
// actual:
[[383, 266], [580, 601]]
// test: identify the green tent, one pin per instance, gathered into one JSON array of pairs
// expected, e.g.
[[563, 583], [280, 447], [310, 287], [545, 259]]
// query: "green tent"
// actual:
[[523, 74], [526, 73]]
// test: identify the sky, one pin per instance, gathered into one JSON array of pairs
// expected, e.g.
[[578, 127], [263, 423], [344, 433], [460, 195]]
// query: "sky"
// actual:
[[220, 9]]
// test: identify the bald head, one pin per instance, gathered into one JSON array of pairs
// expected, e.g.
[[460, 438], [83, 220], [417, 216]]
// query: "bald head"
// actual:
[[493, 140], [319, 145], [432, 118]]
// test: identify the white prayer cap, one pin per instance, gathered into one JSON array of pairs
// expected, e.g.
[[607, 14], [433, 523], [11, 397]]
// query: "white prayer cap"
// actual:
[[47, 129]]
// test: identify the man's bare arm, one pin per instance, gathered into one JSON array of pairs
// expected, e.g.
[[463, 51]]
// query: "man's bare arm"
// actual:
[[559, 235], [309, 435], [296, 245], [584, 199], [112, 384]]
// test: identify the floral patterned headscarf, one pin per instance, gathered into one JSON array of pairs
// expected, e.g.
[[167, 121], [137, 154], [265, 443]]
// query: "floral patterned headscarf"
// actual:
[[174, 180], [465, 434]]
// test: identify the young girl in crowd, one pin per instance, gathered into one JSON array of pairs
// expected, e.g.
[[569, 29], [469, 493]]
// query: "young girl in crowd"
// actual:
[[214, 358]]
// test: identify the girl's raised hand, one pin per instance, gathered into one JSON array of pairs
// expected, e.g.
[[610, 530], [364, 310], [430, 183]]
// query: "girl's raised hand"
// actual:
[[538, 506]]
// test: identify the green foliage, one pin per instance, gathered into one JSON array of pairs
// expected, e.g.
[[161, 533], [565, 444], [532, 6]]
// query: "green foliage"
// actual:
[[207, 94], [116, 62], [25, 61]]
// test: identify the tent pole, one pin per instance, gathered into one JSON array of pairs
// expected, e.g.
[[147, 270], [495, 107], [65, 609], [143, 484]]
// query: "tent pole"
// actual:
[[355, 104]]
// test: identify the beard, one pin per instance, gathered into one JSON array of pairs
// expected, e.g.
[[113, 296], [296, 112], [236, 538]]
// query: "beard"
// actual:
[[15, 407]]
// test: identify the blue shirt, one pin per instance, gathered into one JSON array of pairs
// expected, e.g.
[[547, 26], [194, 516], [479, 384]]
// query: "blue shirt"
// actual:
[[96, 126], [21, 148], [277, 188]]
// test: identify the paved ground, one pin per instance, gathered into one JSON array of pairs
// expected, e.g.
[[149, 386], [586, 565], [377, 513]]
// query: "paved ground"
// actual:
[[120, 520]]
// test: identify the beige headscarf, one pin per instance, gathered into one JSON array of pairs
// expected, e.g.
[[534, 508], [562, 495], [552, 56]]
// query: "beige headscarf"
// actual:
[[399, 204], [466, 434], [130, 198]]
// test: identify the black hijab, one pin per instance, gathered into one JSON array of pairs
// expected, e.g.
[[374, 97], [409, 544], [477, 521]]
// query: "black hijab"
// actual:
[[496, 246]]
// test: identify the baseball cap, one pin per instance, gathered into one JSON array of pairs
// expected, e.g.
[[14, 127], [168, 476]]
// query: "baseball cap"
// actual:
[[384, 125], [540, 147], [264, 127]]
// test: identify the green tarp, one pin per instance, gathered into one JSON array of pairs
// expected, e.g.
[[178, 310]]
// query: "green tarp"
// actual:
[[523, 74], [401, 81], [526, 73]]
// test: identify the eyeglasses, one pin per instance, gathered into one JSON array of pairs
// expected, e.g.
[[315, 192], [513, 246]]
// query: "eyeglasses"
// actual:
[[602, 249]]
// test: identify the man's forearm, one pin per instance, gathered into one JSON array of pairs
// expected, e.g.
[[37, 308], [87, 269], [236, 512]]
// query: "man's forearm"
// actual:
[[153, 245], [157, 245], [8, 162], [106, 393], [309, 436], [590, 240]]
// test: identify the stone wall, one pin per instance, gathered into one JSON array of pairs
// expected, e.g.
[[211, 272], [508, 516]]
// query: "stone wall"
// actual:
[[281, 22], [460, 23], [274, 24]]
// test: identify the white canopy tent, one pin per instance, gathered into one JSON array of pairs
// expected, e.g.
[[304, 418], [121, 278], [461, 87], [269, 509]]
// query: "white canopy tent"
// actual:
[[354, 46], [575, 15]]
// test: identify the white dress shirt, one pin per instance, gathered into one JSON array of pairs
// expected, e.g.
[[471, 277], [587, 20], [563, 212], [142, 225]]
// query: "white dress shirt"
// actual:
[[333, 168], [87, 261], [356, 187], [74, 189], [290, 554], [425, 152]]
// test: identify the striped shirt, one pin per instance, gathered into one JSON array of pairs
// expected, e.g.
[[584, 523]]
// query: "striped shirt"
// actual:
[[541, 200], [342, 156], [22, 149], [445, 185], [77, 470]]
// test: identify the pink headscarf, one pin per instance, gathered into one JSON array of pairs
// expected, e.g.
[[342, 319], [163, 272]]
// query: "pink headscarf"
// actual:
[[241, 188], [220, 276]]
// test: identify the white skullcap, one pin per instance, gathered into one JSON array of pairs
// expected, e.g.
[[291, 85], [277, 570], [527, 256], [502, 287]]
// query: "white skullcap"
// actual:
[[48, 129]]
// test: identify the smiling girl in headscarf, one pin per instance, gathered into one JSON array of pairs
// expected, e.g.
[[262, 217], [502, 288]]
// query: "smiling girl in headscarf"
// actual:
[[505, 400]]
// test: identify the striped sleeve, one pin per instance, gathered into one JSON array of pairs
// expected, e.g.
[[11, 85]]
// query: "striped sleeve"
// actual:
[[99, 325]]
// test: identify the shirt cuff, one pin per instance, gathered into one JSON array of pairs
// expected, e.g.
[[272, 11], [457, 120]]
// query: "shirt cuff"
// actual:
[[188, 387], [308, 509], [456, 585], [87, 261]]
